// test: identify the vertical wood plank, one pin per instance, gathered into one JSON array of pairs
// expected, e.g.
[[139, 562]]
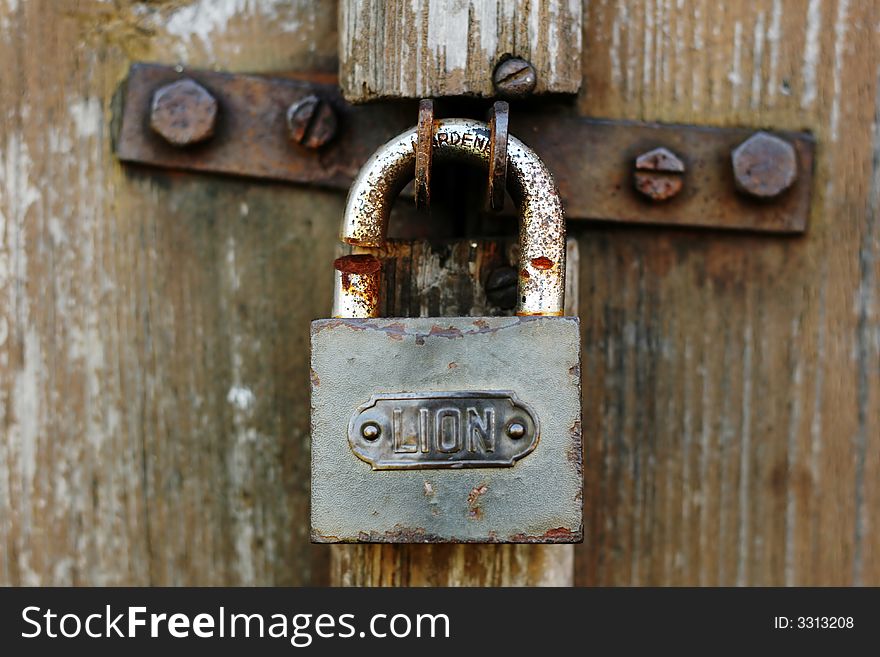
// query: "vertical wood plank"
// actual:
[[153, 326], [731, 382]]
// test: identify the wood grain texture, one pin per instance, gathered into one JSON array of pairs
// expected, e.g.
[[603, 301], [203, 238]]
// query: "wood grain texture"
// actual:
[[431, 48], [153, 326], [732, 383], [436, 280]]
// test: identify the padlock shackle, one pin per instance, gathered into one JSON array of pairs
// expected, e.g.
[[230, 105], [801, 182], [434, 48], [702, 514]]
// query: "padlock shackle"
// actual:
[[542, 223]]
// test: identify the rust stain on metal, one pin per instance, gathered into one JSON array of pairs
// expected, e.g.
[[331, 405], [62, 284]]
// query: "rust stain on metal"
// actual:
[[475, 511], [658, 186], [398, 331], [559, 532], [449, 332], [541, 262], [424, 154], [591, 159], [398, 535], [381, 180], [358, 278], [658, 174], [498, 126], [311, 121], [659, 159], [395, 331], [361, 263], [251, 135], [575, 455], [402, 534], [323, 325], [555, 535], [314, 378]]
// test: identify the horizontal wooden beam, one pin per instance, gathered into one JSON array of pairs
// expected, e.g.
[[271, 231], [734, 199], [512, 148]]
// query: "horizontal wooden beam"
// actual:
[[431, 48]]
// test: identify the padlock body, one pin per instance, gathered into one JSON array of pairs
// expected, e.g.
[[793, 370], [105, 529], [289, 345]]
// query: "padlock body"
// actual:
[[452, 429]]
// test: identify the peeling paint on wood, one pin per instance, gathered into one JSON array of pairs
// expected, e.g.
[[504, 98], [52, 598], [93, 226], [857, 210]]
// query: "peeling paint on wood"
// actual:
[[431, 48], [732, 384], [153, 410]]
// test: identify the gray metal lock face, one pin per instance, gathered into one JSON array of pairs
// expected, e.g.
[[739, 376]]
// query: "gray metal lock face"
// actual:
[[454, 429], [446, 429]]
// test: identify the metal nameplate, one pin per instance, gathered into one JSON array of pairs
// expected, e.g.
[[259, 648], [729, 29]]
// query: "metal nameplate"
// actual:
[[427, 430]]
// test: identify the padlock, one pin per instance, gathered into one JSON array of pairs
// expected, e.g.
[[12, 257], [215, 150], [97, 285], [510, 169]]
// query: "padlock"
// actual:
[[448, 429]]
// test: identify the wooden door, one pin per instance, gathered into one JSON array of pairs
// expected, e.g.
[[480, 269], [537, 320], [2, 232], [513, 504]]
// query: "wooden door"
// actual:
[[154, 325]]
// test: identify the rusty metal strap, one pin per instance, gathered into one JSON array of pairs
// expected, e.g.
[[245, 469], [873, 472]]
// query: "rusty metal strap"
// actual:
[[252, 136], [302, 131], [593, 163]]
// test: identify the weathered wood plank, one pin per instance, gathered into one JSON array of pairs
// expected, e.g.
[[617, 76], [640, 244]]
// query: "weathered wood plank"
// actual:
[[731, 384], [436, 280], [153, 328], [430, 48]]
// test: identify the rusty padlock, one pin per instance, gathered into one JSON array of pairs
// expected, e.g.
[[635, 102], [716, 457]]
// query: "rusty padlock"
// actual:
[[406, 449]]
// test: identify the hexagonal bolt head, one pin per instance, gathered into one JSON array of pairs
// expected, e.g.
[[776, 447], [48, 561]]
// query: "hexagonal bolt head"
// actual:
[[311, 122], [764, 166], [183, 113], [514, 78], [659, 174]]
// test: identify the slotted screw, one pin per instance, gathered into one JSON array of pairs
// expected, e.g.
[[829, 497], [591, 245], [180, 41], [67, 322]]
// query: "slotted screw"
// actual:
[[659, 174], [311, 122], [515, 78]]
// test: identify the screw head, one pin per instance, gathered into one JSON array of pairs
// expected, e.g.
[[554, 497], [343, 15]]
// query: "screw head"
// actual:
[[311, 122], [501, 287], [514, 78], [660, 159], [764, 166], [659, 174], [516, 430], [371, 430], [183, 113]]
